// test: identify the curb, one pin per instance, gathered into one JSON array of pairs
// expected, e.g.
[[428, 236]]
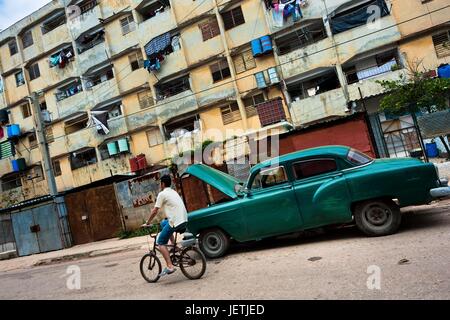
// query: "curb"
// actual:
[[85, 255]]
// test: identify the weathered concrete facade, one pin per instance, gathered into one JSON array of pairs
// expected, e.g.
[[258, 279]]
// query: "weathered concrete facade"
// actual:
[[208, 81]]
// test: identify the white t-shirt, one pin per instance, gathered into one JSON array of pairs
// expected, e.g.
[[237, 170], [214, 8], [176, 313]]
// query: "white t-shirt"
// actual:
[[170, 202]]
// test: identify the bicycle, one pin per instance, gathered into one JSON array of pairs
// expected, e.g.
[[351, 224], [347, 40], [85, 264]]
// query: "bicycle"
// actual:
[[189, 258]]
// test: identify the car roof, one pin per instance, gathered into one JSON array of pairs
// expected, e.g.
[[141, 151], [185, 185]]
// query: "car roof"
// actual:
[[340, 151]]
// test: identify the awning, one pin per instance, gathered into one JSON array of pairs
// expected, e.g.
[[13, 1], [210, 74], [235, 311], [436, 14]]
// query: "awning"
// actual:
[[435, 124], [158, 44]]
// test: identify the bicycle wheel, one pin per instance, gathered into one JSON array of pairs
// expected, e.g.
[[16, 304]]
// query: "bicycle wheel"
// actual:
[[150, 267], [192, 263]]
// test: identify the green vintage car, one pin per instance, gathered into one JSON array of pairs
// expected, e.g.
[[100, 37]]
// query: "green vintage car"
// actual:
[[310, 189]]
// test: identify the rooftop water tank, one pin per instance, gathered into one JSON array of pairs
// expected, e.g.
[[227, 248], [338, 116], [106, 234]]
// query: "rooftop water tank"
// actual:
[[266, 43], [13, 130], [256, 47]]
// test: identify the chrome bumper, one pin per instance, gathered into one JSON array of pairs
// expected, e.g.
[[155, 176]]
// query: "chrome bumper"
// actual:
[[441, 192]]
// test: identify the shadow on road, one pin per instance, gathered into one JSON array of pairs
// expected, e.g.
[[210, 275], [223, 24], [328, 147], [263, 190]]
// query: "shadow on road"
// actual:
[[412, 220]]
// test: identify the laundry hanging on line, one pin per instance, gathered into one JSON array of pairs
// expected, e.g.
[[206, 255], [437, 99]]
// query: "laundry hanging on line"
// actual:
[[61, 59], [99, 119], [283, 9], [158, 48]]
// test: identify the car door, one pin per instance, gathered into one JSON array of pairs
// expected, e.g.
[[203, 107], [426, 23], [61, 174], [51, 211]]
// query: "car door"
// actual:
[[322, 192], [270, 207]]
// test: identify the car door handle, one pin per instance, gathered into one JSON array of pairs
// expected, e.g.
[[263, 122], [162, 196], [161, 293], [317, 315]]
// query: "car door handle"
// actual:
[[287, 188]]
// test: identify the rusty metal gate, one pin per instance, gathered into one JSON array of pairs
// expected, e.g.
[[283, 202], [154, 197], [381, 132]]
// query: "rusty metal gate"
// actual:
[[94, 214]]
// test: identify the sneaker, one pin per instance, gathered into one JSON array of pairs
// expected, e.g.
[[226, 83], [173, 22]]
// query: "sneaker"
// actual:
[[167, 271]]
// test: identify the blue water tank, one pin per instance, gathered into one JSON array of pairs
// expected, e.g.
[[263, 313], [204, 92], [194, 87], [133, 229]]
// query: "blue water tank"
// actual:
[[13, 130], [444, 71], [257, 47], [266, 43], [18, 165], [432, 150]]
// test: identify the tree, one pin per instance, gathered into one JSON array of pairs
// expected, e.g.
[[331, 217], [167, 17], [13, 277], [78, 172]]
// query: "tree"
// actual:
[[415, 92]]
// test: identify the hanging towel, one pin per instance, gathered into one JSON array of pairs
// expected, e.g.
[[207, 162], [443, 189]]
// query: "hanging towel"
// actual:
[[277, 15], [158, 44]]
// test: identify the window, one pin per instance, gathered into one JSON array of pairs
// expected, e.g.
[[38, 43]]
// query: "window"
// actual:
[[251, 102], [76, 124], [233, 18], [26, 110], [136, 61], [20, 80], [153, 9], [209, 29], [269, 178], [358, 158], [311, 168], [244, 61], [102, 76], [11, 181], [34, 71], [57, 168], [220, 71], [12, 47], [172, 88], [87, 5], [36, 174], [128, 25], [54, 23], [49, 135], [441, 43], [300, 38], [83, 158], [145, 99], [32, 141], [230, 113], [154, 137], [27, 39], [69, 90]]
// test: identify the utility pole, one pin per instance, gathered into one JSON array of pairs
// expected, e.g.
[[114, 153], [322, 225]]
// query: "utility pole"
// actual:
[[43, 145]]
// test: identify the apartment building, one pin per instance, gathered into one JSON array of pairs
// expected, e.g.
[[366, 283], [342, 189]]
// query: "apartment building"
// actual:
[[125, 78]]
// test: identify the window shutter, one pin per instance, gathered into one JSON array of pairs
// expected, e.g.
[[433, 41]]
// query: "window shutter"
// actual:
[[227, 20], [206, 31], [249, 60], [442, 44], [215, 30], [239, 64]]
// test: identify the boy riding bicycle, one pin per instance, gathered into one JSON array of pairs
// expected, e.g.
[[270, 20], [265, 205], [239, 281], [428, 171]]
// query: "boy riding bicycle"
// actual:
[[171, 204]]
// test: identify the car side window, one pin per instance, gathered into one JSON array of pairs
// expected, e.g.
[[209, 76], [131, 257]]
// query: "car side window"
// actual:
[[315, 167], [269, 178]]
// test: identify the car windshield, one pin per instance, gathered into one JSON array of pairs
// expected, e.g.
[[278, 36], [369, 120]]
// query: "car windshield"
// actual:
[[358, 158]]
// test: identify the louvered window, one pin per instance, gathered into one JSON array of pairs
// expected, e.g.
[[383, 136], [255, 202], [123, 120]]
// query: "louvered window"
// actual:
[[128, 25], [7, 149], [233, 18], [442, 44], [230, 113], [244, 61], [220, 71], [209, 29]]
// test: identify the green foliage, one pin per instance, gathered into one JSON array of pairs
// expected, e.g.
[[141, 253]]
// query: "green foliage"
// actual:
[[135, 233], [418, 93]]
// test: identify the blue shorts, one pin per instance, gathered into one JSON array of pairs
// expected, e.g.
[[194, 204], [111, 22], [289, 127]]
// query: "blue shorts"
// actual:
[[166, 232]]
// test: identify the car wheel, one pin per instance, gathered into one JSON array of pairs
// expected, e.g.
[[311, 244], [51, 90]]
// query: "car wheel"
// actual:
[[214, 243], [377, 217]]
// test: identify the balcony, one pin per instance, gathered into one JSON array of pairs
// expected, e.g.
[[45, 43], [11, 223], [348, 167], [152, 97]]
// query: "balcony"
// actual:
[[88, 19], [71, 105], [89, 137], [141, 119], [218, 94], [172, 63], [156, 24], [92, 57], [307, 58], [104, 91], [176, 105], [330, 104], [369, 87], [55, 37]]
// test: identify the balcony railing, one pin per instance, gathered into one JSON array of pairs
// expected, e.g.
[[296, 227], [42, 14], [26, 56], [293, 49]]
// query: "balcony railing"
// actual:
[[354, 76]]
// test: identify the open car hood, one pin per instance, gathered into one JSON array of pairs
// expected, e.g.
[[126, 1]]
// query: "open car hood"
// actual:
[[218, 179]]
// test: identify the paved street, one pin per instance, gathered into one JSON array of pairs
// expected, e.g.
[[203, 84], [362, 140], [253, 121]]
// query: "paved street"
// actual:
[[324, 266]]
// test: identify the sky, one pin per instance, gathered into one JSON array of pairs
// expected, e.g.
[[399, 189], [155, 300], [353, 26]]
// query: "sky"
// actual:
[[12, 11]]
